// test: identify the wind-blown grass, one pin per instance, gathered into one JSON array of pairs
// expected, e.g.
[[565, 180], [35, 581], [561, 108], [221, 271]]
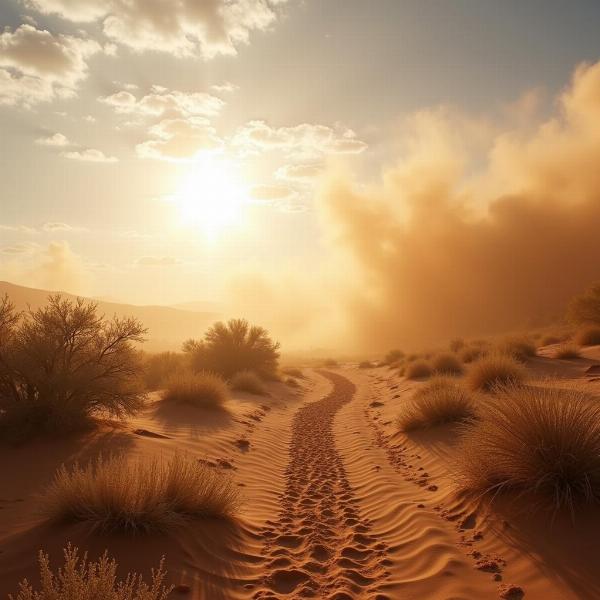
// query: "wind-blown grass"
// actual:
[[494, 370], [418, 369], [518, 347], [247, 381], [203, 390], [447, 364]]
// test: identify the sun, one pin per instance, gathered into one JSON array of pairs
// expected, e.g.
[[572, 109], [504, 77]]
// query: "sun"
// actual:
[[210, 198]]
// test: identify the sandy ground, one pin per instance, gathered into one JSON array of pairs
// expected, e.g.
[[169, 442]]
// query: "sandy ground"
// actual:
[[337, 503]]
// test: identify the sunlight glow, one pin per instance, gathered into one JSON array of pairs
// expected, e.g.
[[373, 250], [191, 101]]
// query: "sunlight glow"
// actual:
[[211, 198]]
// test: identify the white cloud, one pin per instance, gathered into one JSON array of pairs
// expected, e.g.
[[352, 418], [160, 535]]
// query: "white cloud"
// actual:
[[56, 139], [304, 141], [37, 66], [179, 139], [182, 27], [299, 172], [54, 226], [225, 87], [162, 101], [89, 155]]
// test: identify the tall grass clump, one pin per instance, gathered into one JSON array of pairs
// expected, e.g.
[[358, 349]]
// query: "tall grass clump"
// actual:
[[535, 439], [588, 336], [203, 390], [82, 579], [418, 369], [518, 347], [141, 495], [494, 370], [456, 344], [447, 364], [393, 356], [247, 381], [439, 401], [567, 350], [159, 368], [470, 354]]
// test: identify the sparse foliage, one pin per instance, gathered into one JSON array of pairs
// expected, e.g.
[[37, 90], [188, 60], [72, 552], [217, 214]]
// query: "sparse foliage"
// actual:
[[518, 347], [160, 367], [248, 381], [393, 356], [203, 390]]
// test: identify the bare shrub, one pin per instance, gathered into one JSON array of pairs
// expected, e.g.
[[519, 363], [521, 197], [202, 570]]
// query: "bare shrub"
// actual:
[[203, 390], [141, 495], [63, 363], [247, 381], [228, 348], [447, 364], [518, 347], [588, 336], [439, 401], [418, 369], [80, 579], [567, 350], [494, 370], [535, 439]]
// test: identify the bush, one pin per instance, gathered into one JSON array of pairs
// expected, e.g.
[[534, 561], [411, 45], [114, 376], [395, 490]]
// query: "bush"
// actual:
[[519, 348], [439, 401], [585, 309], [456, 344], [293, 372], [588, 336], [393, 356], [472, 353], [247, 381], [203, 390], [567, 351], [538, 439], [365, 364], [494, 370], [63, 363], [81, 579], [139, 496], [228, 348], [418, 369], [160, 367], [447, 364]]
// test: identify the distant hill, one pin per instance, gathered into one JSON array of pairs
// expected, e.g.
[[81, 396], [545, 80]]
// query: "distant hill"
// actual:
[[167, 326], [202, 306]]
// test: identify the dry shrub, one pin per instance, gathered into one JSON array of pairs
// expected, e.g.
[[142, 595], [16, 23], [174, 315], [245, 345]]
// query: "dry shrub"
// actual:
[[472, 353], [366, 364], [393, 356], [247, 381], [535, 439], [139, 496], [160, 367], [418, 369], [447, 364], [456, 344], [80, 579], [293, 372], [567, 350], [204, 390], [494, 370], [440, 401], [588, 336], [519, 347]]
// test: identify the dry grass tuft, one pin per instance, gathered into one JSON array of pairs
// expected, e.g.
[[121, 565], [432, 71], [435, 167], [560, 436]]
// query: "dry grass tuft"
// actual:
[[456, 344], [440, 401], [567, 350], [203, 390], [418, 369], [588, 336], [472, 353], [536, 439], [520, 348], [248, 381], [141, 495], [447, 364], [393, 356], [80, 579], [494, 370]]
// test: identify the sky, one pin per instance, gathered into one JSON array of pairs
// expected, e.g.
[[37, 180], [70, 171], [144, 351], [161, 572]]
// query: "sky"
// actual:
[[161, 152]]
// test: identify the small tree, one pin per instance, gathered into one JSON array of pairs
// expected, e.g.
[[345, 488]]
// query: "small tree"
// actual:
[[585, 309], [63, 363], [228, 348]]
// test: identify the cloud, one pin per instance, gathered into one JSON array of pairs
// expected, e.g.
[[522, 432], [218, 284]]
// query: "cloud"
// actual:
[[453, 243], [162, 102], [20, 248], [37, 66], [299, 172], [89, 155], [56, 139], [182, 28], [226, 87], [304, 141], [18, 228], [179, 139], [54, 226], [157, 261]]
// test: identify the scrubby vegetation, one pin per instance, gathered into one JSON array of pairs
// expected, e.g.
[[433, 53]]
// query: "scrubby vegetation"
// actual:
[[470, 354], [365, 364], [203, 390], [588, 336], [494, 370], [293, 372], [160, 367], [247, 381], [418, 369], [447, 364], [64, 363], [81, 579], [567, 350], [228, 348], [456, 344], [441, 400], [585, 309], [393, 356], [535, 439], [139, 496], [518, 347]]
